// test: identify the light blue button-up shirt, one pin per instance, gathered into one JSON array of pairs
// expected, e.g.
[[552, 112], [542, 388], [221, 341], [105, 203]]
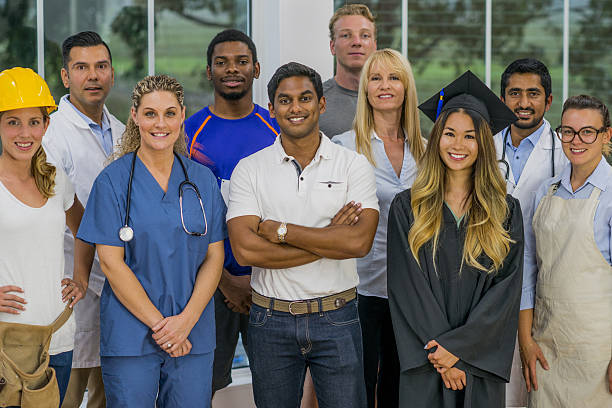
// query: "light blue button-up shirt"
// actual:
[[517, 156], [602, 224], [372, 268], [103, 132]]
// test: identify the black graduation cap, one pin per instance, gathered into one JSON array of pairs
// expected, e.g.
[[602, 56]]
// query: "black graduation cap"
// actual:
[[471, 93]]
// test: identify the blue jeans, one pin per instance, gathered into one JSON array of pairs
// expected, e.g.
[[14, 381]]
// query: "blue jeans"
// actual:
[[281, 346], [62, 363]]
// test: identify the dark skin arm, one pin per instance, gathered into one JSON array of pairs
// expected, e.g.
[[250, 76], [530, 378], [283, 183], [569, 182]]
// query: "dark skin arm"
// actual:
[[333, 241], [237, 289], [251, 249]]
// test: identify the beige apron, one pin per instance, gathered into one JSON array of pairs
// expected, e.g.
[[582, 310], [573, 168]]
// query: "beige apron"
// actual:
[[572, 315]]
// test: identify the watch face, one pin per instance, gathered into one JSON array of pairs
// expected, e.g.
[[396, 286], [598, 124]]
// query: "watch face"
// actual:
[[282, 230]]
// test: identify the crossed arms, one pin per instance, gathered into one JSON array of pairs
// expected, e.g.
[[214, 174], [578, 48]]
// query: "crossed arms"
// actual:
[[349, 235]]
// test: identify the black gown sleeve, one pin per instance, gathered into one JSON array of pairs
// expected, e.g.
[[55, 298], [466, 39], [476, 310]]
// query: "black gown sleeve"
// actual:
[[486, 340], [415, 313]]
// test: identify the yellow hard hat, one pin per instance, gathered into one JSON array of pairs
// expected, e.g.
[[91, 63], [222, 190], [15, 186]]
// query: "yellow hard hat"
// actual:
[[24, 88]]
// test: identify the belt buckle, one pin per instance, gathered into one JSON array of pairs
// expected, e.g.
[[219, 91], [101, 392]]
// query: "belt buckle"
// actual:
[[291, 304], [339, 302]]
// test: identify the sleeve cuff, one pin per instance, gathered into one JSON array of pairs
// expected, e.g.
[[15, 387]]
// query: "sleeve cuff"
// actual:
[[527, 300]]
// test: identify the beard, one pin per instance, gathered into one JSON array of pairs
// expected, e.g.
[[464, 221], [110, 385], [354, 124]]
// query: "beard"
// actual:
[[233, 96], [529, 125]]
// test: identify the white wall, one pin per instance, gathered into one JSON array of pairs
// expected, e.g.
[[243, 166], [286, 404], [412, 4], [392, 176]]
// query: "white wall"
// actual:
[[301, 35]]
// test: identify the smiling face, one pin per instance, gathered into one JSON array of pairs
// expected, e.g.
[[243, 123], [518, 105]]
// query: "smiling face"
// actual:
[[89, 76], [458, 145], [385, 89], [578, 152], [159, 119], [526, 97], [296, 107], [353, 41], [21, 131], [233, 70]]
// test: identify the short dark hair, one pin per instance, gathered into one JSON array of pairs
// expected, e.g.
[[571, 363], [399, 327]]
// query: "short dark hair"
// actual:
[[294, 69], [588, 102], [82, 39], [527, 66], [230, 35]]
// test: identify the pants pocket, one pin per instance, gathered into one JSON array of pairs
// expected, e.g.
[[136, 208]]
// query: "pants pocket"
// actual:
[[41, 392]]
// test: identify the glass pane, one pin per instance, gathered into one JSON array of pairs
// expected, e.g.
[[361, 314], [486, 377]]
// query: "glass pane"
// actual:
[[445, 38], [183, 30], [122, 25], [529, 29], [388, 15], [240, 356], [590, 49], [18, 34]]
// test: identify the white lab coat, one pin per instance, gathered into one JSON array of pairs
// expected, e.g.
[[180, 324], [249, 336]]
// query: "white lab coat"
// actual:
[[537, 169], [72, 145]]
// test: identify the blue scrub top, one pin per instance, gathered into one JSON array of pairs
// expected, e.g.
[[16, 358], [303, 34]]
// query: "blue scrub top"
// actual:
[[163, 257]]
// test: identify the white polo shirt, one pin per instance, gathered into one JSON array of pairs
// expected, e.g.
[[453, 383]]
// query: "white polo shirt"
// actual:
[[271, 185]]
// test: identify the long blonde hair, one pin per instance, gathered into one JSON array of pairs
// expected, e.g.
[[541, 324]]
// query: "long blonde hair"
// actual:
[[364, 117], [42, 171], [487, 209], [130, 140]]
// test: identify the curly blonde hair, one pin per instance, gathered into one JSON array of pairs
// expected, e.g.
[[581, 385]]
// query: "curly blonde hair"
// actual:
[[130, 141]]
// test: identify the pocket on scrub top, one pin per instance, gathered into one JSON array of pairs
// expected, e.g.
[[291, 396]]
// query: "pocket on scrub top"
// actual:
[[41, 392], [328, 197]]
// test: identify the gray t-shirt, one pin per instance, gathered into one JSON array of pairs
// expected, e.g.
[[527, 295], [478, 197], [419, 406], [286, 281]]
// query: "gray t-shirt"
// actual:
[[341, 107]]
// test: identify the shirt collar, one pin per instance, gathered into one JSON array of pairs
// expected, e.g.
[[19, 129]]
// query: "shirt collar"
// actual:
[[599, 178], [532, 138], [105, 121], [323, 152]]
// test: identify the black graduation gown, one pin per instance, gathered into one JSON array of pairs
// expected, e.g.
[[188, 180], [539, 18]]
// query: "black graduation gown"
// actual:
[[474, 315]]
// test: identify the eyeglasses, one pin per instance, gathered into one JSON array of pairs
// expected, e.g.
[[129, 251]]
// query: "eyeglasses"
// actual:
[[587, 134]]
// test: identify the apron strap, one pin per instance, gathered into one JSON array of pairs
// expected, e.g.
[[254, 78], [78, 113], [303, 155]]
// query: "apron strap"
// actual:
[[595, 194], [61, 319]]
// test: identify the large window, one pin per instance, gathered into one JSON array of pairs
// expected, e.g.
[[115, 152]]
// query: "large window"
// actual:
[[121, 23], [192, 25], [590, 56], [445, 38], [18, 34], [529, 28], [388, 15]]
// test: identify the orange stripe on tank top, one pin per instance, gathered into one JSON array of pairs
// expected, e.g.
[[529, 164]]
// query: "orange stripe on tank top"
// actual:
[[197, 133]]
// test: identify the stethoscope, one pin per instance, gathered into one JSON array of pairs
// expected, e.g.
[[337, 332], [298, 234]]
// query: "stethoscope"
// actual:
[[126, 233], [507, 165]]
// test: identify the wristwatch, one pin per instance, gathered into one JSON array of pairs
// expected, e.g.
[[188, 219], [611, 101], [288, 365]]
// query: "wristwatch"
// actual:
[[282, 231]]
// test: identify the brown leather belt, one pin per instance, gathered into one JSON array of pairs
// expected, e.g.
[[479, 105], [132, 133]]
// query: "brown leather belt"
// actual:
[[299, 307]]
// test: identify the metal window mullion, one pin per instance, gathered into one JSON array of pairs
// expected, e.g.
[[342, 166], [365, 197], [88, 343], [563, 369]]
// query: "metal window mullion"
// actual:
[[405, 28], [248, 19], [40, 37], [488, 26], [566, 39], [151, 36]]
